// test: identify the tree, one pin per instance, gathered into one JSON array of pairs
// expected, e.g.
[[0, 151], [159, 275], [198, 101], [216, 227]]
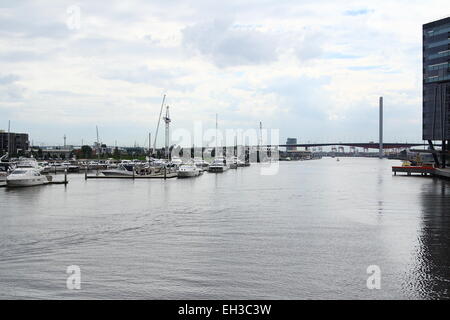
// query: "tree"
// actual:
[[116, 153], [86, 152]]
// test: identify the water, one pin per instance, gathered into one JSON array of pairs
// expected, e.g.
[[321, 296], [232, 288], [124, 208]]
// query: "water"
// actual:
[[309, 231]]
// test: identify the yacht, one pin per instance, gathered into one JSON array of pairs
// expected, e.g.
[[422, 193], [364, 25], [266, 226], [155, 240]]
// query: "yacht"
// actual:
[[5, 167], [218, 165], [71, 166], [25, 177], [201, 164], [236, 162], [122, 170], [44, 167], [27, 163], [177, 161], [188, 170]]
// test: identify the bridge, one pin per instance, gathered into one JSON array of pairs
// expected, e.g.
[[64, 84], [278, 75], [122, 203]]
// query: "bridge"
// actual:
[[369, 145]]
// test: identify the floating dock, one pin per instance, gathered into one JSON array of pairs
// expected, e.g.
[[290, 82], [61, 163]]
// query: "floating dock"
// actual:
[[410, 170], [135, 177], [422, 170]]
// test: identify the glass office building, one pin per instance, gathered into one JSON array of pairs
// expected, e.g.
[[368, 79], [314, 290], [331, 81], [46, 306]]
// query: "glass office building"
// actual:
[[436, 80]]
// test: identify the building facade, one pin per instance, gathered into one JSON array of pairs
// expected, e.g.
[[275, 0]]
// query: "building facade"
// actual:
[[16, 143], [291, 141], [436, 80]]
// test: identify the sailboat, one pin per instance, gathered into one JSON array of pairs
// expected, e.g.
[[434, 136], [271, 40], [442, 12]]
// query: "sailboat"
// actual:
[[220, 163]]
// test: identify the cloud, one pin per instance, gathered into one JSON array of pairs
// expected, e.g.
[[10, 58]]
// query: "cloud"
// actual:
[[20, 56], [9, 78], [358, 12], [310, 46], [227, 45], [143, 74], [311, 68]]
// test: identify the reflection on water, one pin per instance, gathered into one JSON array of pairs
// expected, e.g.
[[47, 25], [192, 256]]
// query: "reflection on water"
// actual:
[[310, 231], [430, 274]]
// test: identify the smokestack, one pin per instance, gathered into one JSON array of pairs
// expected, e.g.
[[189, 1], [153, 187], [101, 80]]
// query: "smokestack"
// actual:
[[381, 128]]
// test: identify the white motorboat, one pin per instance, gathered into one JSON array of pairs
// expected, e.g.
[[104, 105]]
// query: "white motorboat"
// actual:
[[71, 166], [5, 168], [25, 177], [27, 163], [121, 170], [44, 167], [218, 165], [201, 164], [188, 170], [176, 161], [236, 162]]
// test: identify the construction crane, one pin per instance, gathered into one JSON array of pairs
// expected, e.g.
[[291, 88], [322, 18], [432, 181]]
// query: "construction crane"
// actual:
[[167, 121]]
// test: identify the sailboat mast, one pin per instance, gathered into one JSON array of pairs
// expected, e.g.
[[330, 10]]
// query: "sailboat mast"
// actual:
[[9, 137], [215, 152], [167, 121], [159, 120]]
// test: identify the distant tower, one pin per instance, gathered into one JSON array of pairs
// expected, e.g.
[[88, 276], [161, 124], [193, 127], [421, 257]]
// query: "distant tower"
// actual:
[[381, 128], [167, 121], [64, 141]]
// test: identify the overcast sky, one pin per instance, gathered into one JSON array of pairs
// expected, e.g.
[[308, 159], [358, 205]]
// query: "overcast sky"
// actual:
[[313, 69]]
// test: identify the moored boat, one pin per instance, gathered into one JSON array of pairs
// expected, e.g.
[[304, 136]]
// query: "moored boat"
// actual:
[[218, 165], [188, 170], [121, 170], [25, 177]]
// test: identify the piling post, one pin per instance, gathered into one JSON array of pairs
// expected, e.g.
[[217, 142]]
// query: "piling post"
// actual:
[[65, 176], [85, 172], [381, 154], [133, 173], [165, 172], [258, 159]]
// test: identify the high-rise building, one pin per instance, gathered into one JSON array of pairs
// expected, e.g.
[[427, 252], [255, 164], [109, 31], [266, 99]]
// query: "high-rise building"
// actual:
[[291, 141], [436, 80], [16, 143]]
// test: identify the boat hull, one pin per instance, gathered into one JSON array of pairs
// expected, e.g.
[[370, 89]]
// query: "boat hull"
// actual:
[[38, 181], [117, 173], [217, 168], [188, 174]]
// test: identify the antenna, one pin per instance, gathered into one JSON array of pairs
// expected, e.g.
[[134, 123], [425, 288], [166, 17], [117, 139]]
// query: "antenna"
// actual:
[[64, 141], [260, 134]]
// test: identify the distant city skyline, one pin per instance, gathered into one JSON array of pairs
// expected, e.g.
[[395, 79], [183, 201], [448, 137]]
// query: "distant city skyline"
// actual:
[[312, 69]]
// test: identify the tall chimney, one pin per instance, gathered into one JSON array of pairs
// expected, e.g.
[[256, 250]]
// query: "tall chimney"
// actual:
[[381, 128]]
